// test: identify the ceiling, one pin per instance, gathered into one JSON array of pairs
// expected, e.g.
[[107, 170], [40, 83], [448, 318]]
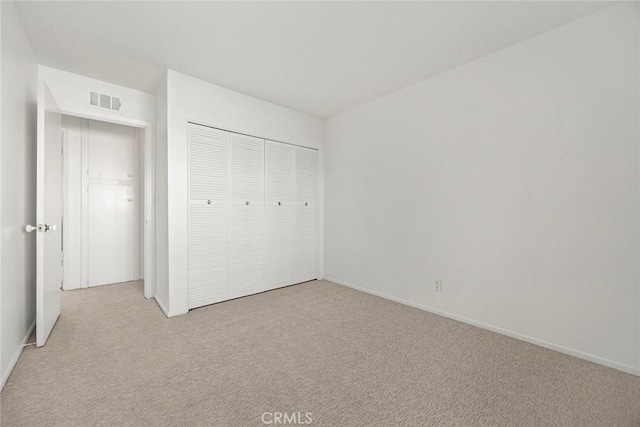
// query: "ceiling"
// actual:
[[320, 58]]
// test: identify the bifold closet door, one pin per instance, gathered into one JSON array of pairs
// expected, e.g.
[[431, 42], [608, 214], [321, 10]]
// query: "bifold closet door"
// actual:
[[305, 213], [278, 222], [208, 210], [246, 215]]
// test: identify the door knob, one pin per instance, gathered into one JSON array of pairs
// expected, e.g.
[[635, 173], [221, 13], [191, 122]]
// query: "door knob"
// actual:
[[279, 203], [40, 227], [306, 204], [247, 202]]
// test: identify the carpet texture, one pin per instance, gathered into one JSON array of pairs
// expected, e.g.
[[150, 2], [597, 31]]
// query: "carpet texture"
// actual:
[[345, 357]]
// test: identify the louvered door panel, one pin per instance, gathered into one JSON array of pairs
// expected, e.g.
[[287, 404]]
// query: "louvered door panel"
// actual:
[[208, 211], [305, 214], [246, 216], [306, 175], [207, 254], [207, 163], [278, 226], [247, 169], [304, 243], [279, 160], [278, 247], [245, 262]]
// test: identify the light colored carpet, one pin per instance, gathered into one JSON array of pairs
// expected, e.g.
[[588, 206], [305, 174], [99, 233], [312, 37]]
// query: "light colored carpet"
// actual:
[[348, 358]]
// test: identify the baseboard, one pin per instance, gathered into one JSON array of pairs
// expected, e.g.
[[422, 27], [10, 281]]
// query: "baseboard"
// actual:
[[561, 349], [7, 374], [162, 307]]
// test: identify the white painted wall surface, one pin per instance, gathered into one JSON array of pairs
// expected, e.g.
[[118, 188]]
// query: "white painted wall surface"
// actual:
[[18, 173], [72, 202], [514, 179], [190, 99], [2, 369], [161, 201], [71, 93]]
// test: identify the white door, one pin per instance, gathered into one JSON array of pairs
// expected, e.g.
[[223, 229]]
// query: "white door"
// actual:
[[246, 216], [112, 151], [305, 214], [111, 233], [111, 203], [48, 214], [278, 211], [208, 207]]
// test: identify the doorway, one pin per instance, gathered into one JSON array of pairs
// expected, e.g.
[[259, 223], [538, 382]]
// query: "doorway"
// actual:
[[103, 193]]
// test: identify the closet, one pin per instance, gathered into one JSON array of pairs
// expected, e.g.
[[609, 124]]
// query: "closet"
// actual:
[[278, 215], [252, 215]]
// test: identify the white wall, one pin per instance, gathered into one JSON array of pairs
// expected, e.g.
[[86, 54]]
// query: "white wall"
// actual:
[[161, 185], [72, 192], [2, 369], [515, 180], [71, 93], [190, 99], [18, 171]]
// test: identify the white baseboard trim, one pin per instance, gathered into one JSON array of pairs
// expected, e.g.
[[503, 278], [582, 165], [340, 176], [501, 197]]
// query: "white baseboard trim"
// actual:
[[167, 312], [162, 307], [14, 360], [561, 349]]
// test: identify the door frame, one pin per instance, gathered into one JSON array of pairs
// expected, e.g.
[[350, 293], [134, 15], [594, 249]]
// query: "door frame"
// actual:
[[147, 186]]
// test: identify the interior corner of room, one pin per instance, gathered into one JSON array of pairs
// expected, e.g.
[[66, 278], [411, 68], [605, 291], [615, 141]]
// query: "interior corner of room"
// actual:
[[494, 184]]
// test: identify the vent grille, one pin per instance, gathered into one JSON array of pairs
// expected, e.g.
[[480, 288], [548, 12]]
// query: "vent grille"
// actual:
[[115, 103], [101, 100], [105, 101]]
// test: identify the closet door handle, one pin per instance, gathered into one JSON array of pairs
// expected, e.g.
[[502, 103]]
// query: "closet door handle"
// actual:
[[279, 203], [247, 203], [306, 204]]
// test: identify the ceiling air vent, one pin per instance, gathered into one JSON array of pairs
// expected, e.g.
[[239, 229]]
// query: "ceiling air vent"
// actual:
[[101, 100]]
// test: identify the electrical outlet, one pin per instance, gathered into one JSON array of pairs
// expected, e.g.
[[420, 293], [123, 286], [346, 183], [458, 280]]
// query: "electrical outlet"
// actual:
[[438, 285]]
